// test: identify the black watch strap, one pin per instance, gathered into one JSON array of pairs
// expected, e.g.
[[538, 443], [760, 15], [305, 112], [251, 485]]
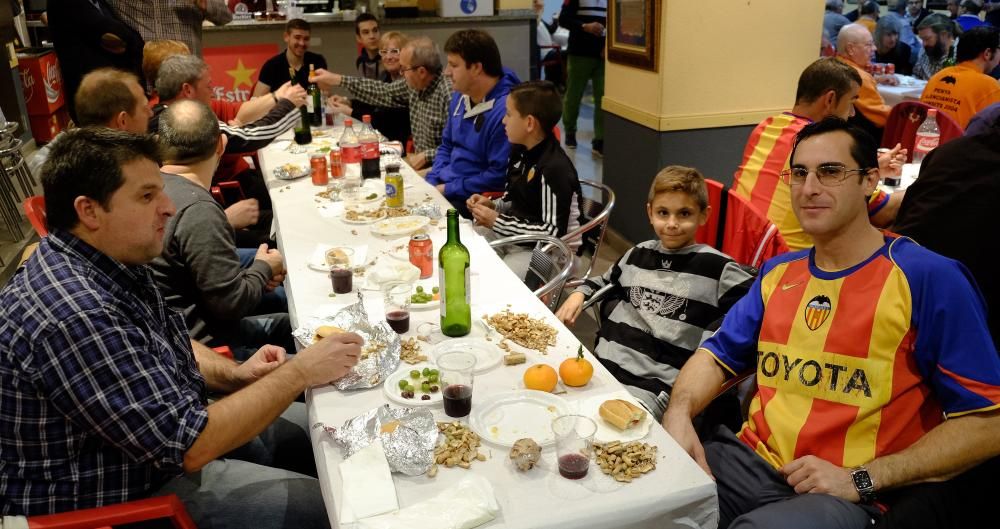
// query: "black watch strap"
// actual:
[[864, 484]]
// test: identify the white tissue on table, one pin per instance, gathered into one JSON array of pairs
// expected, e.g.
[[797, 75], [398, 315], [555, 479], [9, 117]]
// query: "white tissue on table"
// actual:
[[388, 271], [469, 503], [368, 487]]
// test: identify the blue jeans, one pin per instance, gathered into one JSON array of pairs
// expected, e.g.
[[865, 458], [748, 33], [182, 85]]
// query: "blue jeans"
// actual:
[[263, 484]]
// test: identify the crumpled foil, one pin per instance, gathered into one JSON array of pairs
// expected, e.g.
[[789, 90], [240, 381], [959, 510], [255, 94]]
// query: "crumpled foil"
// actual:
[[371, 371], [409, 447], [431, 211], [282, 173]]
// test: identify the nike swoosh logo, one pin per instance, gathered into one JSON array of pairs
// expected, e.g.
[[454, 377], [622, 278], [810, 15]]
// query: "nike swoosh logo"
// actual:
[[787, 286]]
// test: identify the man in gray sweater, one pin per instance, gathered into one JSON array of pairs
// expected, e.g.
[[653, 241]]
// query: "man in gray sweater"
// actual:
[[199, 271]]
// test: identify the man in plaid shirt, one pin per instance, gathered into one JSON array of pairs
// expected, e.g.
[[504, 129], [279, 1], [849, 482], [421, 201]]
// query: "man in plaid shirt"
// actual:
[[423, 90], [175, 20], [102, 394]]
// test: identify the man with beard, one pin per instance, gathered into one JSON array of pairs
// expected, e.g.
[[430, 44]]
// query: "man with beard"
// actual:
[[937, 33], [293, 62]]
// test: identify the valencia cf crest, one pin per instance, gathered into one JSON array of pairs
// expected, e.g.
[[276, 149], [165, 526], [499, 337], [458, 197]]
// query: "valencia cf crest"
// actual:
[[817, 311]]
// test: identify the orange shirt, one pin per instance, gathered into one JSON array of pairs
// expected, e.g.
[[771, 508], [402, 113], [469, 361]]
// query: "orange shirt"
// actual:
[[870, 102], [961, 91]]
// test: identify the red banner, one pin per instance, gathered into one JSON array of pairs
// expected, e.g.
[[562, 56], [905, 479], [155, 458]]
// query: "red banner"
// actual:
[[235, 69]]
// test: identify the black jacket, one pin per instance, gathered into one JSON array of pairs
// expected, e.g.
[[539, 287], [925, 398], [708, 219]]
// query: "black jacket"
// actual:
[[576, 13]]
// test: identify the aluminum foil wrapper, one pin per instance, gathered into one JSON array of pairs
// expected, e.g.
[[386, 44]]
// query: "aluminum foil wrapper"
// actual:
[[431, 211], [370, 371], [408, 437]]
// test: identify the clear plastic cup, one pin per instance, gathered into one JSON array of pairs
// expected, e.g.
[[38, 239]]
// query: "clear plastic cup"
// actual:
[[574, 444], [456, 378], [397, 306]]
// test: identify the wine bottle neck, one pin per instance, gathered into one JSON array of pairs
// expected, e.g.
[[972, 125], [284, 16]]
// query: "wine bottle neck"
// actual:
[[453, 230]]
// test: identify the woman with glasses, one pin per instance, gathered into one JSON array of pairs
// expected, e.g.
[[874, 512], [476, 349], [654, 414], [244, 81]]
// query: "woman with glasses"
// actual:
[[393, 123]]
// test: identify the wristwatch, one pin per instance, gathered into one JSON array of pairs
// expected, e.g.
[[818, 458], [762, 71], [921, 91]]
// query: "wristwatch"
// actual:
[[863, 484]]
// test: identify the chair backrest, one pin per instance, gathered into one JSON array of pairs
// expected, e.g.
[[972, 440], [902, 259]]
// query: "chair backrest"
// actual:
[[34, 209], [550, 266], [709, 232], [904, 120], [169, 507], [750, 238], [596, 215]]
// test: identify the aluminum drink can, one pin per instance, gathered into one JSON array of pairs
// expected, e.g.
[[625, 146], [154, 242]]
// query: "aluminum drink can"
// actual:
[[393, 186], [890, 68], [318, 164], [336, 165], [421, 254]]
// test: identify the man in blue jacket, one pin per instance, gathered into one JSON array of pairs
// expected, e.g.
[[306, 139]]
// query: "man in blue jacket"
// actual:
[[474, 149]]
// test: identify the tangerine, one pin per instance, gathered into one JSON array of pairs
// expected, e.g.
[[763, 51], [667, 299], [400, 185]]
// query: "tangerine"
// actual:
[[540, 377], [577, 371]]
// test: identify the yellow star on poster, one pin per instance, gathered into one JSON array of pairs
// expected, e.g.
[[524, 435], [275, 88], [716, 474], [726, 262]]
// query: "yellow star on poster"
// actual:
[[241, 75]]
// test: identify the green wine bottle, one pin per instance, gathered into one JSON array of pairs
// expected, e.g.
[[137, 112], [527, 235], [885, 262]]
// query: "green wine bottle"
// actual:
[[315, 105], [453, 274], [303, 132]]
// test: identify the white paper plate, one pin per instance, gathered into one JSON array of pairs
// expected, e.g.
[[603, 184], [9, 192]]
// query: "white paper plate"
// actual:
[[392, 391], [364, 220], [503, 418], [398, 226], [487, 354], [605, 431], [430, 305]]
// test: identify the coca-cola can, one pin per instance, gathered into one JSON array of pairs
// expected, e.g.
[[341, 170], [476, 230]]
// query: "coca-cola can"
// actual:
[[421, 254], [336, 165], [318, 164], [890, 68]]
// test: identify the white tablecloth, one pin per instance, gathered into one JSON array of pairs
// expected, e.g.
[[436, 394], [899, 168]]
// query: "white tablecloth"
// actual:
[[908, 89], [676, 494]]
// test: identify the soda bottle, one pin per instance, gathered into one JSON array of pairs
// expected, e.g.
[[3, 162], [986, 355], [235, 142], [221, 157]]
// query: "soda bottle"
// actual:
[[350, 153], [453, 274], [368, 140], [928, 136], [314, 102]]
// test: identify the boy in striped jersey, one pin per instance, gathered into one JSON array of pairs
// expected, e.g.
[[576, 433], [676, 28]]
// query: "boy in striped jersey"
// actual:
[[667, 295], [875, 368], [543, 193]]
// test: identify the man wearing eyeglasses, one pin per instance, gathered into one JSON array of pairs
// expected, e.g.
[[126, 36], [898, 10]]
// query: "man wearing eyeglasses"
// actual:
[[855, 46], [963, 90], [875, 368], [423, 90]]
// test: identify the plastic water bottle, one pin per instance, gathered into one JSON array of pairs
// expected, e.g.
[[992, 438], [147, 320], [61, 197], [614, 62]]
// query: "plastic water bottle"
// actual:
[[928, 137], [368, 140], [350, 152]]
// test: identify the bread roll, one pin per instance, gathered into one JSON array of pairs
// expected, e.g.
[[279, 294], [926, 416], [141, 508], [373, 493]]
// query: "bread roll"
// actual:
[[326, 330], [622, 414]]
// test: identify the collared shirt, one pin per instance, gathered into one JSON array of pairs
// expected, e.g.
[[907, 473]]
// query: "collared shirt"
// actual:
[[101, 395], [927, 67], [161, 20], [428, 107]]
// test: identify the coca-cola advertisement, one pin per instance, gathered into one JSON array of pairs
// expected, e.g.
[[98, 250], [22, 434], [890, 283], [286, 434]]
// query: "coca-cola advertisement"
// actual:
[[41, 82]]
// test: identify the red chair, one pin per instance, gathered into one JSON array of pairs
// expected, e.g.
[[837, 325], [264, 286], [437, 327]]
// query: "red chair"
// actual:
[[904, 120], [750, 238], [709, 232], [169, 507], [34, 209]]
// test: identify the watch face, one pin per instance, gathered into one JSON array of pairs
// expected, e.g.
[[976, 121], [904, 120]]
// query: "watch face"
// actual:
[[862, 480]]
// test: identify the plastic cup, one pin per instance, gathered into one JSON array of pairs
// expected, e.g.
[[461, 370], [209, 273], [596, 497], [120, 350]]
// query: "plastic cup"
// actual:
[[574, 444], [456, 378], [397, 306], [342, 279]]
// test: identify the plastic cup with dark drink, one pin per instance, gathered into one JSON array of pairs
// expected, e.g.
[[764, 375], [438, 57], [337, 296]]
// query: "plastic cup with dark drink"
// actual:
[[397, 307], [456, 377], [574, 444], [342, 279]]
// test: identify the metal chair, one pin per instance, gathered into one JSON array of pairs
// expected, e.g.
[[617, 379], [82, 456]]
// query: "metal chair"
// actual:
[[596, 215], [551, 262]]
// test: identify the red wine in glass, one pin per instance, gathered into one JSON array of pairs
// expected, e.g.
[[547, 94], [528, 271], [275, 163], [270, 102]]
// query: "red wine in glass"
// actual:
[[399, 320], [457, 400], [573, 466]]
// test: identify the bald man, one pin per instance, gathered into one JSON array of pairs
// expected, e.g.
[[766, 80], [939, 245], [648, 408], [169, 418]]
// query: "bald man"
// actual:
[[854, 47]]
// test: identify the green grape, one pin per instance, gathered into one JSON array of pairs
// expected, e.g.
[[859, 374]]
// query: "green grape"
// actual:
[[402, 383], [426, 371], [415, 374], [420, 289], [435, 290]]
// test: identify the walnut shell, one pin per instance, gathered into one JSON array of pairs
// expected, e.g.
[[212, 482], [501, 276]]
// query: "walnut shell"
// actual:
[[525, 454]]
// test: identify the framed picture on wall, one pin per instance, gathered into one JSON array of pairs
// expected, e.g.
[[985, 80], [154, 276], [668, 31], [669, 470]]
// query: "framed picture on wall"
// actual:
[[632, 30]]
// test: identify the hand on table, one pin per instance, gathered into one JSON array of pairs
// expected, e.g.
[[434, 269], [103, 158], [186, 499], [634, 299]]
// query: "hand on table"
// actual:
[[326, 79], [811, 474], [243, 213], [887, 79], [273, 258], [483, 215], [571, 309], [330, 358], [265, 360], [682, 430], [416, 160]]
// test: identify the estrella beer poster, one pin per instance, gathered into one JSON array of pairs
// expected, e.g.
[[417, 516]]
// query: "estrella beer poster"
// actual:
[[235, 69]]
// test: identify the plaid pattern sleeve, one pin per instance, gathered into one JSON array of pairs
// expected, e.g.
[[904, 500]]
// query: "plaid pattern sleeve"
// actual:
[[100, 395], [171, 20], [428, 108]]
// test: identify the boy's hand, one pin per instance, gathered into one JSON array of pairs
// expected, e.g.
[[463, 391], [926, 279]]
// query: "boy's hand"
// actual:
[[477, 200], [571, 309], [483, 215]]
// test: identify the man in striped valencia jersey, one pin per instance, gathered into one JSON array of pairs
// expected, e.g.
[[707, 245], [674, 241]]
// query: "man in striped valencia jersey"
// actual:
[[875, 368], [826, 87]]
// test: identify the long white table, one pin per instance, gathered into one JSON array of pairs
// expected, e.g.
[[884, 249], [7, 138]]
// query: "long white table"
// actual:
[[676, 494], [908, 89]]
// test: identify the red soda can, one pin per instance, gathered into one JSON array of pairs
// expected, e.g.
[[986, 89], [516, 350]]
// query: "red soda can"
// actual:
[[336, 165], [421, 254], [318, 164], [890, 68]]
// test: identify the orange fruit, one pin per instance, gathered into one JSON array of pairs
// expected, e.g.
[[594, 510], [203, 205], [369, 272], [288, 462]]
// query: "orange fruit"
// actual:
[[577, 371], [540, 377]]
